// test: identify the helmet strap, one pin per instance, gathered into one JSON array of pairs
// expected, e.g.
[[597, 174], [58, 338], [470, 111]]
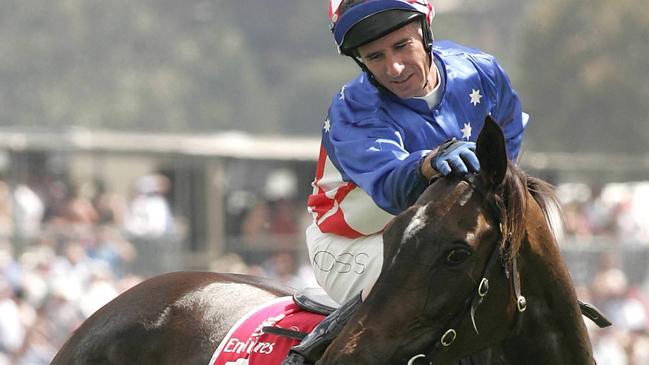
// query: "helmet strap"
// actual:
[[427, 35], [369, 73]]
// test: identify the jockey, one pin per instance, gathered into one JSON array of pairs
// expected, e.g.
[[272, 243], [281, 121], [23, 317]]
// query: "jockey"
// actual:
[[413, 112]]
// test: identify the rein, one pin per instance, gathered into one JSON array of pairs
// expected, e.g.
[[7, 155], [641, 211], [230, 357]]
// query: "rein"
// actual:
[[508, 262]]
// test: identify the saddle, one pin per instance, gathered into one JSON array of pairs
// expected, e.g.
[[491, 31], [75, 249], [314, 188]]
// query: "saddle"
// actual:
[[315, 300]]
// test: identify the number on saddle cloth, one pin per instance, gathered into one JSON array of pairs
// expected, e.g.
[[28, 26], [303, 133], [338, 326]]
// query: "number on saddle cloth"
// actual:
[[250, 341]]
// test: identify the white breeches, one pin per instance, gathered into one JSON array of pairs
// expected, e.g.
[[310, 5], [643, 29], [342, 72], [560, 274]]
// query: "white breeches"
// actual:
[[344, 266]]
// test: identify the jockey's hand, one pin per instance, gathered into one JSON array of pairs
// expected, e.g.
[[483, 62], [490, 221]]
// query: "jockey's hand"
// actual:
[[455, 156]]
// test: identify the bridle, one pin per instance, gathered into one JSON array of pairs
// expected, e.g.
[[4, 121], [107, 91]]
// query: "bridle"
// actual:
[[509, 264]]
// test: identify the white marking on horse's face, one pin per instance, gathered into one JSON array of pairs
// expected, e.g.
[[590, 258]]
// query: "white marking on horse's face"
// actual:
[[417, 223], [460, 195]]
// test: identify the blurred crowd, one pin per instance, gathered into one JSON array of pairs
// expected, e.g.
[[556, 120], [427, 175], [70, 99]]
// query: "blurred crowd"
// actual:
[[614, 211], [613, 219], [626, 306], [66, 251]]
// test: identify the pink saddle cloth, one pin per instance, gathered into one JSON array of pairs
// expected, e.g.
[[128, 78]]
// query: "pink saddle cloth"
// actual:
[[246, 344]]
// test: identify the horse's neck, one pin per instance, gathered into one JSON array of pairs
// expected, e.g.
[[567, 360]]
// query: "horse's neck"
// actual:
[[552, 330]]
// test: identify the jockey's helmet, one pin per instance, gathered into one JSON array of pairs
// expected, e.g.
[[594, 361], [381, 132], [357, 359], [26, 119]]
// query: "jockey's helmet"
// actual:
[[357, 22]]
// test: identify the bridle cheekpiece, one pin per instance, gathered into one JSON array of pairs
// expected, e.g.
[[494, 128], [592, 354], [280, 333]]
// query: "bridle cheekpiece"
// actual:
[[507, 261]]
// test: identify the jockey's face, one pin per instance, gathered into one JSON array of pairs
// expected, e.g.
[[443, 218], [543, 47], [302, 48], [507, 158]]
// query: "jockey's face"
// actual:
[[400, 62]]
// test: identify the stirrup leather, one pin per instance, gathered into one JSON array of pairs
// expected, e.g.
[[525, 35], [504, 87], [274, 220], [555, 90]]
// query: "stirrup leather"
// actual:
[[316, 342]]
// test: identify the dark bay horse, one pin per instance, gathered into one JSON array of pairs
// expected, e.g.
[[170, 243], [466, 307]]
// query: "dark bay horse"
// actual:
[[176, 318], [473, 265]]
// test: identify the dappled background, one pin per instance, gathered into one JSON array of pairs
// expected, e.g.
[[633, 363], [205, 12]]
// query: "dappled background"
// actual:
[[139, 137], [271, 66]]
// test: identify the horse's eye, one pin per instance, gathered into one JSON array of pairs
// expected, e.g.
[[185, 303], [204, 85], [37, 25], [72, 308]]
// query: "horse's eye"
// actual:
[[457, 256]]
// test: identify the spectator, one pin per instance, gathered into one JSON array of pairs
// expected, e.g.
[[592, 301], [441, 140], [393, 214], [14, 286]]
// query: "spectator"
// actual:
[[111, 248], [12, 332], [255, 227], [6, 214], [281, 266], [609, 286], [78, 208], [29, 211], [99, 291], [149, 213], [608, 348], [111, 207]]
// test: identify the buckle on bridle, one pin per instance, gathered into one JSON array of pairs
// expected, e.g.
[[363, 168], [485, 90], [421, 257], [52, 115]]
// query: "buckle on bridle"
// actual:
[[448, 338], [414, 359], [483, 288], [521, 303]]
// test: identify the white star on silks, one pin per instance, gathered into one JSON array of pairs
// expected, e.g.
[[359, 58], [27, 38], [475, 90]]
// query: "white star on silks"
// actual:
[[466, 131], [327, 125], [475, 97]]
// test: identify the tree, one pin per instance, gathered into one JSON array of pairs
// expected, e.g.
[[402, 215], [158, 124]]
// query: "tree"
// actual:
[[136, 65], [585, 79]]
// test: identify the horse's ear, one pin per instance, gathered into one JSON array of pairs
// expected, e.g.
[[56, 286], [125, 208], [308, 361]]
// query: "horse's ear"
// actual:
[[492, 153]]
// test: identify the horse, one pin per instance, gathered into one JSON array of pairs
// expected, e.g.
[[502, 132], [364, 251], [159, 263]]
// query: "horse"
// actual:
[[471, 267], [173, 318]]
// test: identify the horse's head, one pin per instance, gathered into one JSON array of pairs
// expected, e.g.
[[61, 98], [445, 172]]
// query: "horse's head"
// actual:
[[436, 254]]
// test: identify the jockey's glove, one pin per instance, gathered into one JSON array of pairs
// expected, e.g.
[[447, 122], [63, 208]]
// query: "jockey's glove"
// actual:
[[455, 156]]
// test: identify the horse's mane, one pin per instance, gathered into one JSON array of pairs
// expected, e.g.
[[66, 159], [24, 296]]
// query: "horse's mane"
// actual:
[[513, 199]]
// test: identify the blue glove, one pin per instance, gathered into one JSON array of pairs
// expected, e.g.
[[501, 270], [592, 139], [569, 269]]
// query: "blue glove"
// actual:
[[456, 156]]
